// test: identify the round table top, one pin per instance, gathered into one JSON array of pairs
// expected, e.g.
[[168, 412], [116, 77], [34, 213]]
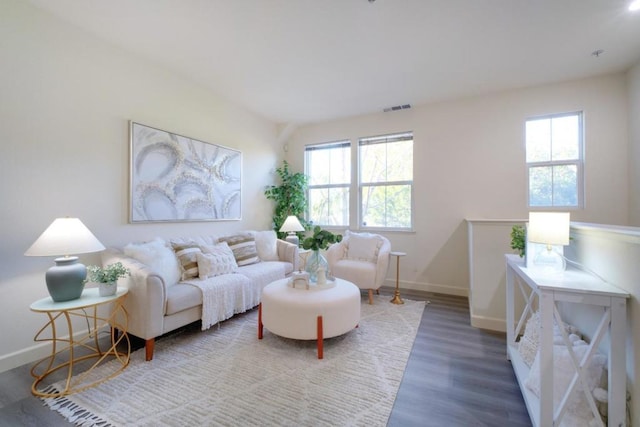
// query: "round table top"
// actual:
[[396, 253], [89, 297]]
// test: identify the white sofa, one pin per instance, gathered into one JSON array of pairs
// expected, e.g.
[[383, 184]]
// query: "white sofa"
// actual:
[[163, 297]]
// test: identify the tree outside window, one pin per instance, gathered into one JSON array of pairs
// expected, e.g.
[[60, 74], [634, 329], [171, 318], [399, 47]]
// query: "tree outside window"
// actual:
[[554, 158]]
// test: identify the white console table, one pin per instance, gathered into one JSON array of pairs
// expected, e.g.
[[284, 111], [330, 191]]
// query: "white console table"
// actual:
[[571, 286]]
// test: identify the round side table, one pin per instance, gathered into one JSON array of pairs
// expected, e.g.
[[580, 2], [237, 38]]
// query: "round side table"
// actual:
[[396, 296], [75, 347]]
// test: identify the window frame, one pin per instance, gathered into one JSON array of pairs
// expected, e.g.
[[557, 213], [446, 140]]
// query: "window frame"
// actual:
[[579, 163], [328, 146], [389, 138]]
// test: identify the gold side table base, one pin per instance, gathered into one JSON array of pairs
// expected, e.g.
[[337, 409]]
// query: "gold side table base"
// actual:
[[396, 296]]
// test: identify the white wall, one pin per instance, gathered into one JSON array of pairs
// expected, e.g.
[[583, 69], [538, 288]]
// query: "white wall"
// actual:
[[65, 102], [633, 79], [469, 162]]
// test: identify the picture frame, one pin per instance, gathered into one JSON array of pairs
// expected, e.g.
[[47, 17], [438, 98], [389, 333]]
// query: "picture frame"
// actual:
[[174, 178]]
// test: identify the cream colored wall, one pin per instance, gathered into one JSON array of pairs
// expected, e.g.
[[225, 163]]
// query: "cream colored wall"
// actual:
[[469, 162], [633, 79], [65, 103]]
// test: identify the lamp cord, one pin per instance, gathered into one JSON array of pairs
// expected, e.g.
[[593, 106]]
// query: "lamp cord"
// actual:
[[582, 267]]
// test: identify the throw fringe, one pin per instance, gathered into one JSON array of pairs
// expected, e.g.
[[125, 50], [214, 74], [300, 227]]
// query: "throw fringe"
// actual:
[[73, 412]]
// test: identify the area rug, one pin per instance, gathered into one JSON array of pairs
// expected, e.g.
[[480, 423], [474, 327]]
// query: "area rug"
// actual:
[[226, 377]]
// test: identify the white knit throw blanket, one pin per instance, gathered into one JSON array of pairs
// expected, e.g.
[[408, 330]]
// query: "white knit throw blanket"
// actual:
[[229, 294]]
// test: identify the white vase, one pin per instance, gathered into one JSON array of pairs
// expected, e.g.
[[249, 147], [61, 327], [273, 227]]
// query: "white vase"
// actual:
[[107, 289]]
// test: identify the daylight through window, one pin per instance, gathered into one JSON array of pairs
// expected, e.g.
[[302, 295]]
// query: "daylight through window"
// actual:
[[554, 157]]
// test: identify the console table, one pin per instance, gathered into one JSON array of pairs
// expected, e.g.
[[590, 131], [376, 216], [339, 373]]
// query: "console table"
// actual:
[[575, 287]]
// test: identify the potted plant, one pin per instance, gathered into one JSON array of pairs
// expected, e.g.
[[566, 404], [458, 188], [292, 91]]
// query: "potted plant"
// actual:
[[290, 197], [320, 240], [519, 239], [106, 277]]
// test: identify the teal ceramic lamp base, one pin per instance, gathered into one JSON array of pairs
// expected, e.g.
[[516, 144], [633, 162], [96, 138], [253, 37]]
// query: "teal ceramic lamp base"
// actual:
[[65, 280]]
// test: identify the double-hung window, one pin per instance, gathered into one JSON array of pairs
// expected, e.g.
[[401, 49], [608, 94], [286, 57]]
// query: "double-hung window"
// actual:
[[386, 181], [554, 154], [328, 167]]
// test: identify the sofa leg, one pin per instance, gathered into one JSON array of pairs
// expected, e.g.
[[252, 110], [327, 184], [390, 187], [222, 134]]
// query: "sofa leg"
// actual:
[[148, 349], [370, 296]]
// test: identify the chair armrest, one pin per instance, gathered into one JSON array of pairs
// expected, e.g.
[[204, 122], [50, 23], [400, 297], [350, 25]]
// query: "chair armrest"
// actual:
[[147, 298], [335, 253], [288, 252], [382, 264]]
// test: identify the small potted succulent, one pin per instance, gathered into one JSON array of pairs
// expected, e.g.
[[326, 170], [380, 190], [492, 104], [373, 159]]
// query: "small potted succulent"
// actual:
[[106, 277]]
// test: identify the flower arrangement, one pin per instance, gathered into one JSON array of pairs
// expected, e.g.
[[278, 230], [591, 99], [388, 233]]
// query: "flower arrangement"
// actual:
[[321, 239], [110, 273]]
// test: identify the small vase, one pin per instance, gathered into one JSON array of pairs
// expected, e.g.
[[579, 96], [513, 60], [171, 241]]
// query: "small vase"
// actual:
[[107, 289], [316, 262]]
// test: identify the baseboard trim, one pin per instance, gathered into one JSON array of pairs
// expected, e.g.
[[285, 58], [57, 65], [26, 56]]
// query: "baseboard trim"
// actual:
[[429, 287], [489, 323]]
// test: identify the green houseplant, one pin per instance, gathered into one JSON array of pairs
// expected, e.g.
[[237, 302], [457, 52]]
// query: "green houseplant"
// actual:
[[106, 277], [290, 197], [320, 240], [519, 239]]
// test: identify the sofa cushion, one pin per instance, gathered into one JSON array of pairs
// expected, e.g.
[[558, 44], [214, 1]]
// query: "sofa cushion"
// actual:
[[243, 247], [266, 272], [187, 255], [215, 260], [363, 246], [182, 297], [158, 256], [266, 245]]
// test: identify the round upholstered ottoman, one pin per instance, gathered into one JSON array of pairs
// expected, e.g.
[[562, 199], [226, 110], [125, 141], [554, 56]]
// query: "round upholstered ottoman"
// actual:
[[309, 314]]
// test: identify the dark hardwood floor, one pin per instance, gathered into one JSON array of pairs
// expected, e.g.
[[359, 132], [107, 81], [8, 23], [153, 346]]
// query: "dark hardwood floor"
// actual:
[[457, 375]]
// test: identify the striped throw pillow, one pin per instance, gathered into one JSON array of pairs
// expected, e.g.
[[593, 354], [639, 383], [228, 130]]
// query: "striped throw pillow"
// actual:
[[243, 247], [187, 255]]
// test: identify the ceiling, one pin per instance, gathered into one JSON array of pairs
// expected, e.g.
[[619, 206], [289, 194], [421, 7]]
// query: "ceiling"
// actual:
[[300, 61]]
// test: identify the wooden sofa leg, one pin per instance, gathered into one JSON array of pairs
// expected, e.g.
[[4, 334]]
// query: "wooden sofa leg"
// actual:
[[370, 296], [148, 349]]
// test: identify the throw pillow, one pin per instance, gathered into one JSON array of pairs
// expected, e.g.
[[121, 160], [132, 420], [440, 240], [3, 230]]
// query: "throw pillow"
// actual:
[[215, 261], [158, 256], [563, 371], [266, 245], [529, 342], [243, 247], [363, 246], [187, 255]]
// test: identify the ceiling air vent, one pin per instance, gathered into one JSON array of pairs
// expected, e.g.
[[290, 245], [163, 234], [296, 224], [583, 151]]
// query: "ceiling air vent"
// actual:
[[397, 108]]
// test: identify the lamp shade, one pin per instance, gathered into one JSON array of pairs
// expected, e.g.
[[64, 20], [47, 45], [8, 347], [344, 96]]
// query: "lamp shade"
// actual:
[[291, 224], [550, 228], [65, 236]]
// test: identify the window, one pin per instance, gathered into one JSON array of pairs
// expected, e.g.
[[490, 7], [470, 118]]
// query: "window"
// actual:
[[554, 160], [386, 181], [328, 167]]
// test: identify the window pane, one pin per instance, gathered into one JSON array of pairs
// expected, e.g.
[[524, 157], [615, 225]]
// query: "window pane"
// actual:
[[538, 140], [386, 206], [565, 185], [329, 166], [329, 206], [565, 138], [540, 186], [400, 161], [373, 166]]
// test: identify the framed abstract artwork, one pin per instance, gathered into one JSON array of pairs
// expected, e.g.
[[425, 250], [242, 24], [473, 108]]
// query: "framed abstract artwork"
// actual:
[[175, 178]]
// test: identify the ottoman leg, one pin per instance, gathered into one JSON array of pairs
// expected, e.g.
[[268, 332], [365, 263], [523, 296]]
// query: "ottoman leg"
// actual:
[[320, 343], [260, 321]]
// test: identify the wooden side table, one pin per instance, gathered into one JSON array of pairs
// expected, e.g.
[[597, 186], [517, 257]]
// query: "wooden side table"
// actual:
[[396, 296], [91, 307]]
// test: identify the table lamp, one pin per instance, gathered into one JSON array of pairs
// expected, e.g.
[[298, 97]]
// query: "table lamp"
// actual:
[[549, 228], [65, 236], [291, 226]]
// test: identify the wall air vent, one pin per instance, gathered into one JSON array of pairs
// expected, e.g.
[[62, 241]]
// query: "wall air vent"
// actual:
[[397, 108]]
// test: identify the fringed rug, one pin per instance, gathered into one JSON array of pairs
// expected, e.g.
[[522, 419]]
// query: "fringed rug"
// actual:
[[227, 377]]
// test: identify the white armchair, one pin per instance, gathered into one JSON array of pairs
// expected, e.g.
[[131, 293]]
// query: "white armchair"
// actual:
[[360, 258]]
